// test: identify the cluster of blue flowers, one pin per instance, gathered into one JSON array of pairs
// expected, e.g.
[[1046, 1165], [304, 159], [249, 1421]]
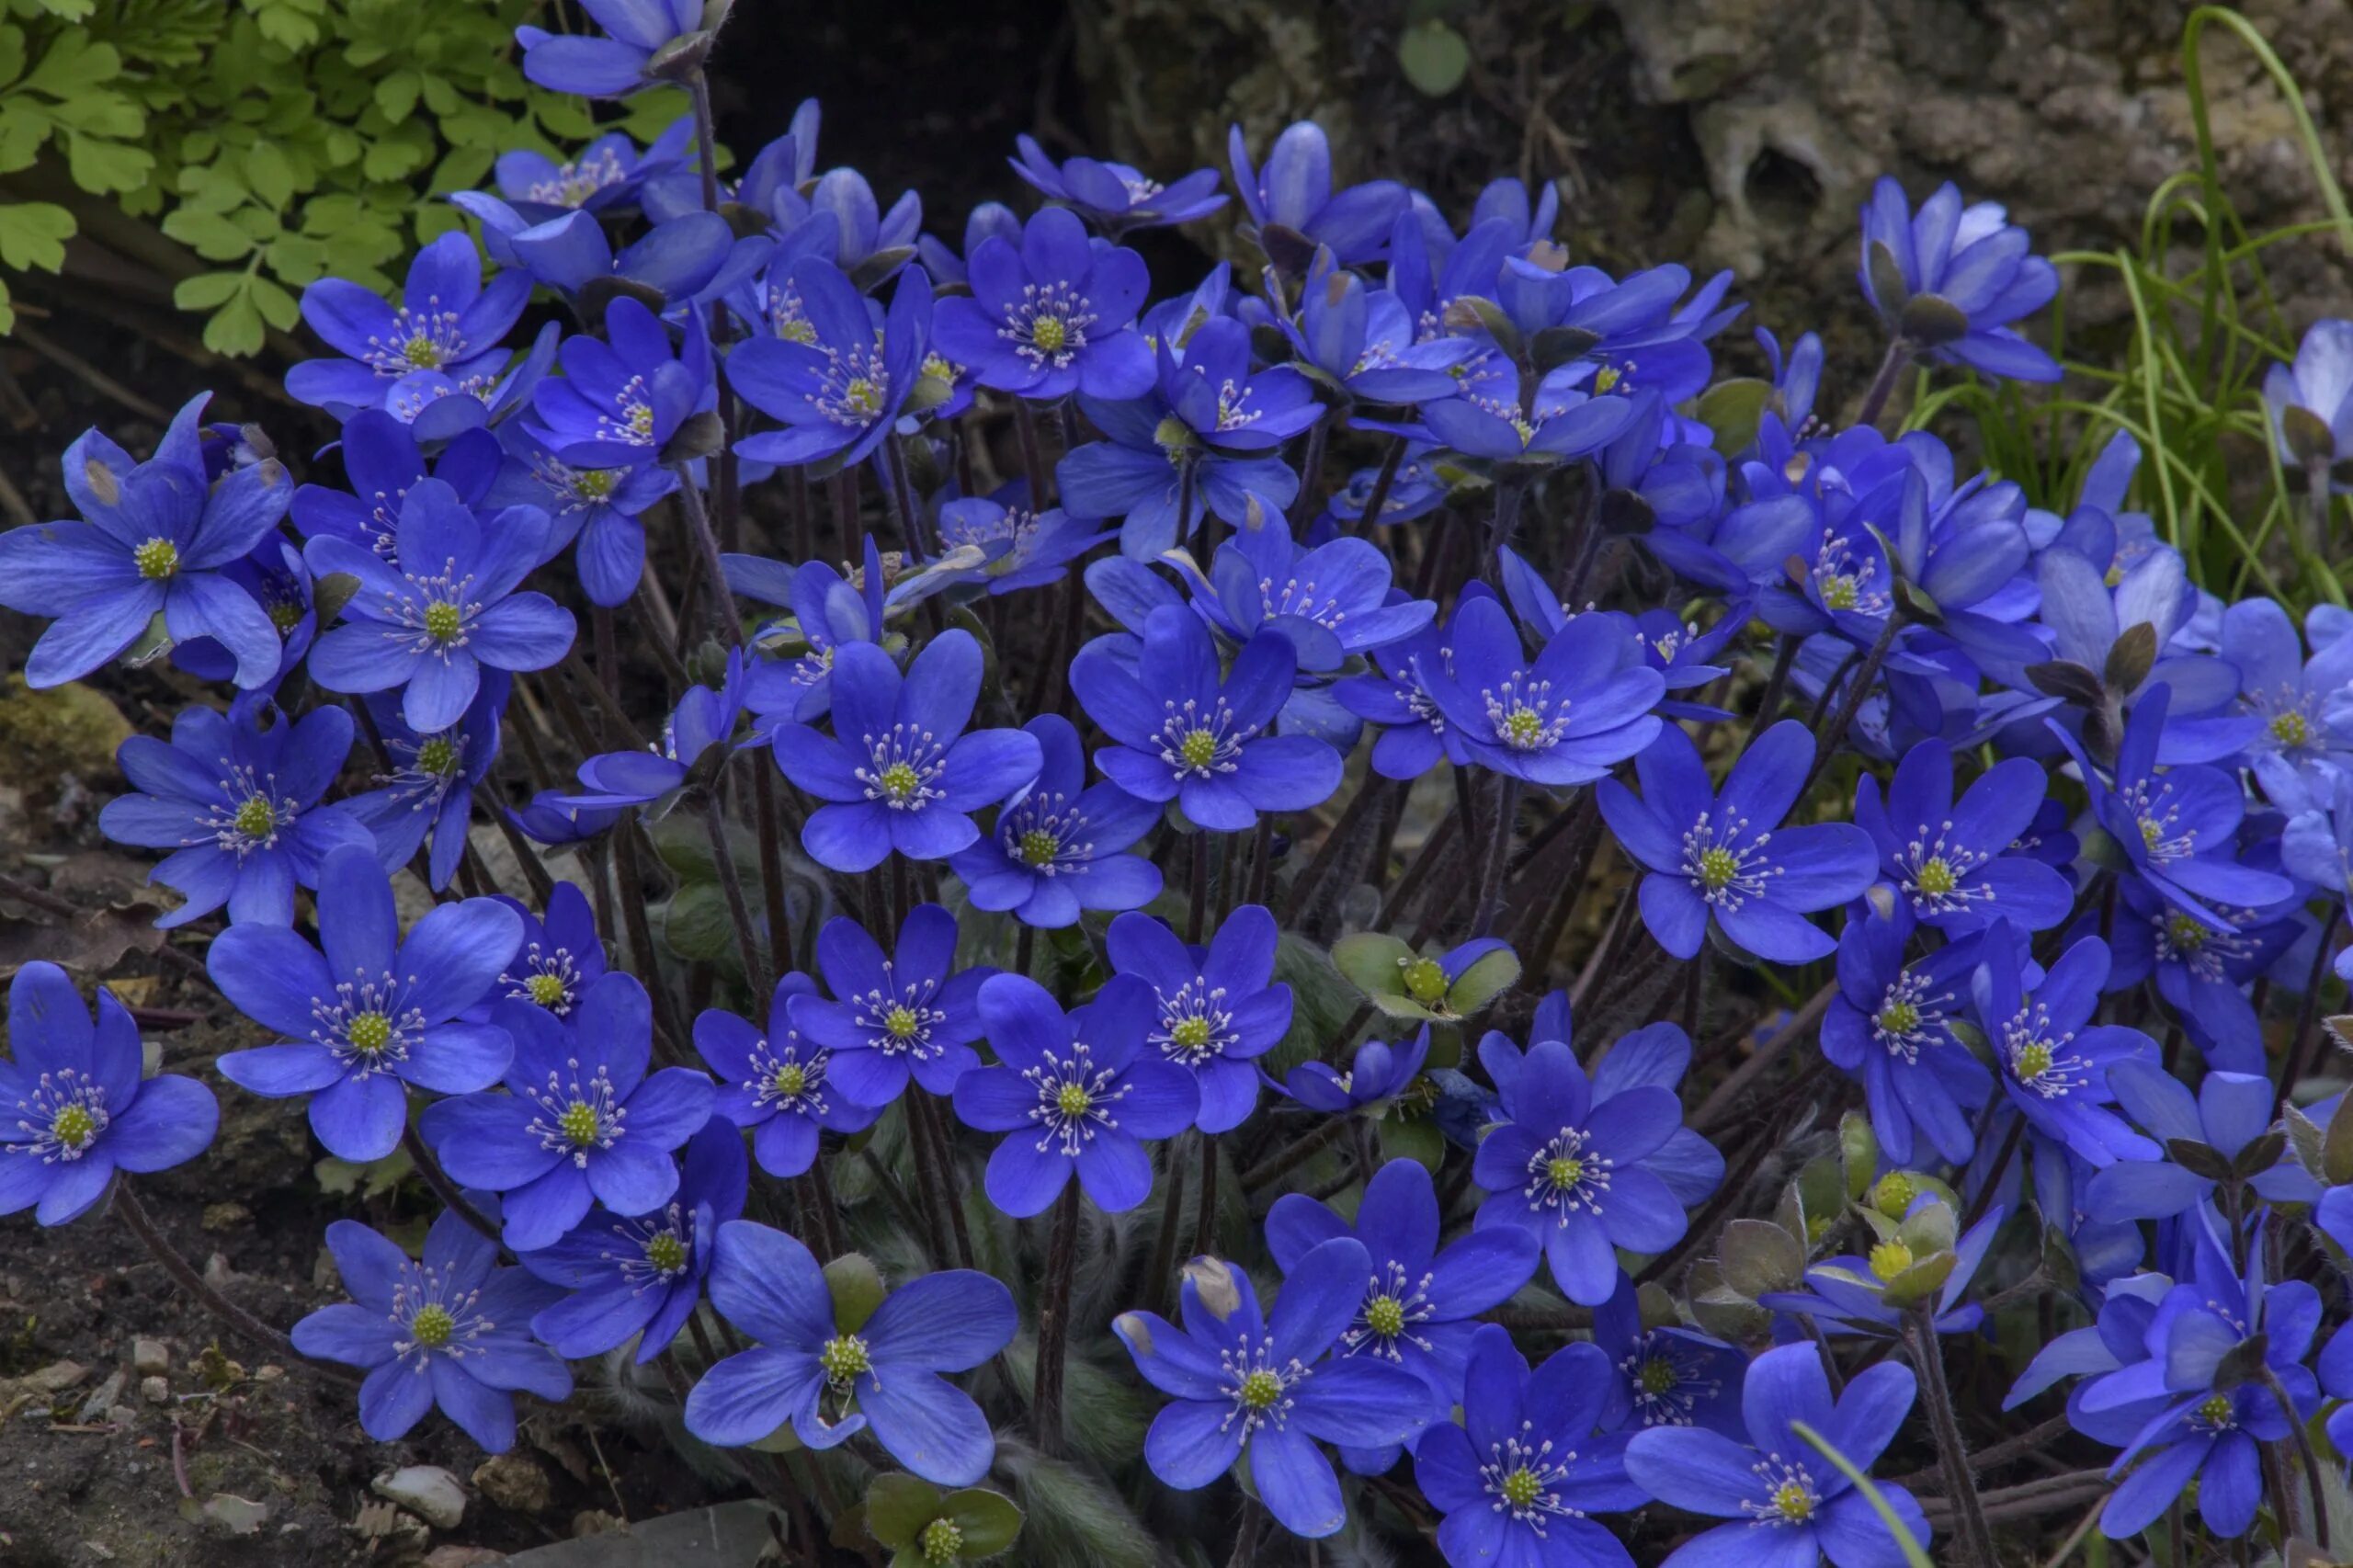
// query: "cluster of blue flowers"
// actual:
[[1387, 586]]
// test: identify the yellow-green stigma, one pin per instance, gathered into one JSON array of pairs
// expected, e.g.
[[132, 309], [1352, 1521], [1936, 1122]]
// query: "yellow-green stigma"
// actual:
[[1172, 435], [1717, 869], [1793, 1502], [1521, 1488], [902, 1022], [547, 990], [942, 1542], [1605, 378], [861, 397], [1565, 1171], [1898, 1018], [1523, 729], [2153, 832], [438, 757], [443, 620], [368, 1033], [285, 615], [1039, 847], [1199, 749], [432, 1326], [665, 1253], [1889, 1260], [1935, 877], [936, 368], [256, 818], [789, 1079], [797, 330], [1073, 1100], [1838, 593], [1048, 334], [421, 352], [1892, 1194], [597, 484], [1657, 1377], [1260, 1390], [74, 1126], [2185, 935], [2214, 1411], [1189, 1034], [2032, 1062], [157, 559], [900, 780], [1386, 1315], [845, 1357], [640, 421], [1425, 980], [580, 1124]]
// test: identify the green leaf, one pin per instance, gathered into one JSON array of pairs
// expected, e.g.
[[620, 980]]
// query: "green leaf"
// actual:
[[396, 94], [856, 1287], [1373, 961], [1732, 410], [1485, 981], [1434, 57], [1757, 1258], [74, 64], [898, 1505], [207, 291], [235, 328], [989, 1522], [271, 174], [210, 236], [33, 234], [101, 168]]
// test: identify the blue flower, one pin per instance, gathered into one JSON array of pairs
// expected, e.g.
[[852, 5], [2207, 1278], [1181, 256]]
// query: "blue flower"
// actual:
[[1361, 340], [381, 459], [908, 1012], [452, 1330], [685, 261], [1667, 1376], [622, 398], [1419, 1303], [1051, 315], [1075, 1094], [446, 320], [1553, 426], [1293, 193], [827, 611], [156, 540], [1137, 475], [1570, 1168], [1333, 600], [642, 1277], [1518, 1479], [774, 1085], [2229, 1111], [2201, 720], [1114, 197], [1788, 1504], [840, 206], [829, 1379], [239, 802], [615, 65], [559, 956], [582, 1120], [605, 175], [1020, 549], [1847, 1294], [2305, 721], [1241, 1383], [430, 792], [899, 773], [2311, 402], [1726, 854], [1578, 708], [838, 389], [1377, 1075], [1059, 845], [1970, 264], [1950, 860], [448, 610], [2202, 972], [368, 1012], [705, 718], [75, 1107], [600, 507], [1219, 1008], [1890, 1028], [1184, 732], [2052, 1061]]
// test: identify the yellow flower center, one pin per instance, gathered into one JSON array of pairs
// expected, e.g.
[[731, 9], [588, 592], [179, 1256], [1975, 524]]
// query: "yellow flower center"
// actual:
[[75, 1126], [2153, 832], [2292, 728], [1605, 378], [1260, 1390], [1073, 1100], [1039, 847], [1172, 435], [1889, 1260], [157, 559], [256, 818], [1717, 869], [1793, 1502], [790, 1079], [432, 1326], [1521, 1487], [797, 330], [1190, 1034], [1048, 334], [368, 1033], [1892, 1194], [2033, 1061], [438, 757], [580, 1124], [665, 1253], [1838, 591], [861, 397], [902, 1022], [421, 352], [1425, 980], [1565, 1171], [1899, 1018], [443, 620], [285, 615], [2184, 934], [900, 780], [1935, 877], [1658, 1376], [2214, 1411], [597, 484], [942, 1542], [640, 421], [1199, 749], [547, 990], [1386, 1315], [1523, 729], [845, 1357]]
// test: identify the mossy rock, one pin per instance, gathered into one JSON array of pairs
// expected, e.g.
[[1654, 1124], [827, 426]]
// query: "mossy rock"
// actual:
[[46, 736]]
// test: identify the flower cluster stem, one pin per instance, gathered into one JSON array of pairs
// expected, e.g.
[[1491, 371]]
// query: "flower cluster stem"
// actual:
[[1960, 1486], [1053, 1323]]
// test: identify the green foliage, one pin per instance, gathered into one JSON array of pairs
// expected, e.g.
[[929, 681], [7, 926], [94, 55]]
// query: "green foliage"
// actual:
[[279, 141], [2206, 327]]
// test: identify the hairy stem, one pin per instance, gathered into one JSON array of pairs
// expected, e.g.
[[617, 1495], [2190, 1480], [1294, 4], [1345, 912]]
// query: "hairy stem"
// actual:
[[1053, 1323]]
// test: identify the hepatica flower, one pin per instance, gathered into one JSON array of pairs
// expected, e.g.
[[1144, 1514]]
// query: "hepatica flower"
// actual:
[[238, 798], [154, 539], [1075, 1094], [558, 956], [899, 773], [73, 1105], [1185, 732], [446, 320], [452, 1330], [1217, 1008], [1377, 1075], [368, 1011], [1726, 855], [2054, 1063], [2229, 1111], [617, 64], [1581, 706], [906, 1013], [774, 1085], [1665, 1376], [429, 794], [431, 625], [829, 1377], [1518, 1478], [1293, 192], [1060, 845], [1569, 1169], [1952, 280], [582, 1120], [1243, 1382], [641, 1278], [1051, 315], [838, 385], [1950, 860], [621, 399], [600, 507], [1115, 197], [1788, 1504], [1890, 1029], [2311, 400]]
